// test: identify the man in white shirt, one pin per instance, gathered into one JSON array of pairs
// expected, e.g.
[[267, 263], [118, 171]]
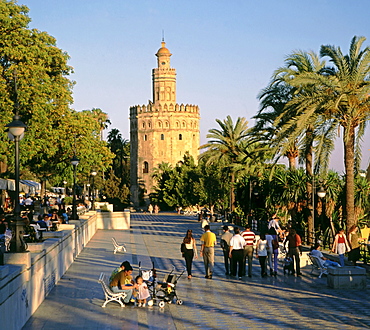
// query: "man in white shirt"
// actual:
[[236, 254], [324, 262]]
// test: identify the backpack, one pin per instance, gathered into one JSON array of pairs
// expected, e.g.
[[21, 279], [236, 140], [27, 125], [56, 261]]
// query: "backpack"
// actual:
[[224, 245]]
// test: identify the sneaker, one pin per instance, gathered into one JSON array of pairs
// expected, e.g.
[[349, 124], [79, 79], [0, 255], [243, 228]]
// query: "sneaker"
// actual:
[[139, 305], [143, 305], [240, 278]]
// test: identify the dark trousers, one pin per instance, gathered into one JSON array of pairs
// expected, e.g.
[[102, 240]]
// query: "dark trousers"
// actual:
[[262, 261], [189, 255], [227, 261], [294, 254], [237, 262]]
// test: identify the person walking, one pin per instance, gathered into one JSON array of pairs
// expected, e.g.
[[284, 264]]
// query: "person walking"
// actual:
[[250, 238], [354, 254], [340, 246], [190, 251], [270, 237], [295, 250], [236, 254], [225, 246], [207, 250], [261, 253]]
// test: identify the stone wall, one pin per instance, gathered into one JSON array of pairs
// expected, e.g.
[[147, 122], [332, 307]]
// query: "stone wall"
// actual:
[[27, 278]]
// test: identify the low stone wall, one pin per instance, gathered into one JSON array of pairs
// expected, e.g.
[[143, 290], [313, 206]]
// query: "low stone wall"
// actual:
[[113, 220], [348, 277], [27, 278]]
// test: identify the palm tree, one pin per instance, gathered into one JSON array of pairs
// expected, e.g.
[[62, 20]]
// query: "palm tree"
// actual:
[[102, 119], [340, 96], [225, 146], [289, 135]]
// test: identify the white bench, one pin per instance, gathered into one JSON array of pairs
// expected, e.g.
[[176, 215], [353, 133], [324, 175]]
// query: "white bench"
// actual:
[[316, 265], [109, 294], [118, 247]]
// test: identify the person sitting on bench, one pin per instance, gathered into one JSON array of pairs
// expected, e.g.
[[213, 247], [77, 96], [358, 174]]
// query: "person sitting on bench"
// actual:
[[123, 282], [324, 262]]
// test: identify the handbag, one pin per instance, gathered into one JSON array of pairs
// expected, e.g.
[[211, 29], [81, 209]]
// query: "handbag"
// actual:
[[183, 248]]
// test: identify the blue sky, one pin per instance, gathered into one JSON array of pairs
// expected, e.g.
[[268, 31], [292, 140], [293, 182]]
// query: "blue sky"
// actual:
[[224, 51]]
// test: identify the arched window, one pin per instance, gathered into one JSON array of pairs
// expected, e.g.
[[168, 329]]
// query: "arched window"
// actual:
[[145, 137], [180, 136], [149, 124], [167, 125], [145, 167], [162, 136], [159, 124], [143, 124], [183, 124]]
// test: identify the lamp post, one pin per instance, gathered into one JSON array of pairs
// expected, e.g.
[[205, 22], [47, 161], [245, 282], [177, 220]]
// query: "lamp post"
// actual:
[[93, 174], [321, 193], [74, 162], [15, 132], [65, 187]]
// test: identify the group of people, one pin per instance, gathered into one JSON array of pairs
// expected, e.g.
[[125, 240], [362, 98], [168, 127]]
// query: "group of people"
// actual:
[[152, 209], [238, 249], [121, 280]]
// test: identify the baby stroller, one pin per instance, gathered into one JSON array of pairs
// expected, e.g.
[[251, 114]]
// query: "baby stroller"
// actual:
[[161, 291], [165, 291]]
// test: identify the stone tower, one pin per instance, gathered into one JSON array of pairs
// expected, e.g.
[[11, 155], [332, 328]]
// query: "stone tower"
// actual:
[[161, 131]]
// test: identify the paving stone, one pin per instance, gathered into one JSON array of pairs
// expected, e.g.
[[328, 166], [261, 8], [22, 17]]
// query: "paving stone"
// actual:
[[284, 302]]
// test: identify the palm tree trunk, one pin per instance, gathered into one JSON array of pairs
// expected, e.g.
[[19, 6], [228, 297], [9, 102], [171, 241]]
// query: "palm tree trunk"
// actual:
[[232, 196], [291, 163], [349, 160]]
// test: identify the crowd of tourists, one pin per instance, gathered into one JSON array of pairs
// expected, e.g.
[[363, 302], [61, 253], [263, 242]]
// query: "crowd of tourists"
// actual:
[[274, 242]]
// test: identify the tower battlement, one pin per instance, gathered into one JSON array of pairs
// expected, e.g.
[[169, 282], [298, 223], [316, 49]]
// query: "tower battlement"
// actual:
[[151, 107]]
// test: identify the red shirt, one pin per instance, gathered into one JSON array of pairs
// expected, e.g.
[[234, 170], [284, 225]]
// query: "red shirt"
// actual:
[[249, 237], [341, 239]]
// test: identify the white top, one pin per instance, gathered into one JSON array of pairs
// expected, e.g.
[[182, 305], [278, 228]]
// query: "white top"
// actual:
[[237, 242], [318, 254], [143, 292], [261, 248]]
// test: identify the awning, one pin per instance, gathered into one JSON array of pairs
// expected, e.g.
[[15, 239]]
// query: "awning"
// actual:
[[32, 186], [27, 186], [3, 184]]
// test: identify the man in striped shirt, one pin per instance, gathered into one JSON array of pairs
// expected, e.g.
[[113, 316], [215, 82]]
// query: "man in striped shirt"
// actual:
[[250, 239]]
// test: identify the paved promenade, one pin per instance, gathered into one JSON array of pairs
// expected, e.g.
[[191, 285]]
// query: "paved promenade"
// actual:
[[284, 302]]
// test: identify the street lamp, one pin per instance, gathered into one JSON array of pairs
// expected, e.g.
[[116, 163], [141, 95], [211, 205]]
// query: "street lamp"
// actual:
[[74, 162], [93, 174], [15, 133], [321, 193]]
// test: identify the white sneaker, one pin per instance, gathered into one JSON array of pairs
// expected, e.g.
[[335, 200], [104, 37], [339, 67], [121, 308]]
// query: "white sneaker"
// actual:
[[139, 305], [143, 305]]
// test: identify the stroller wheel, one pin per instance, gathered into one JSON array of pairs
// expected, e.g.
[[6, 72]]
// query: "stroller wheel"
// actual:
[[179, 302], [150, 303], [161, 304]]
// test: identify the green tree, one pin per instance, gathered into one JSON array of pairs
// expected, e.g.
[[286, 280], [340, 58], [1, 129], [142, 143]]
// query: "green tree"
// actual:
[[225, 146], [44, 95], [341, 97], [121, 148]]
